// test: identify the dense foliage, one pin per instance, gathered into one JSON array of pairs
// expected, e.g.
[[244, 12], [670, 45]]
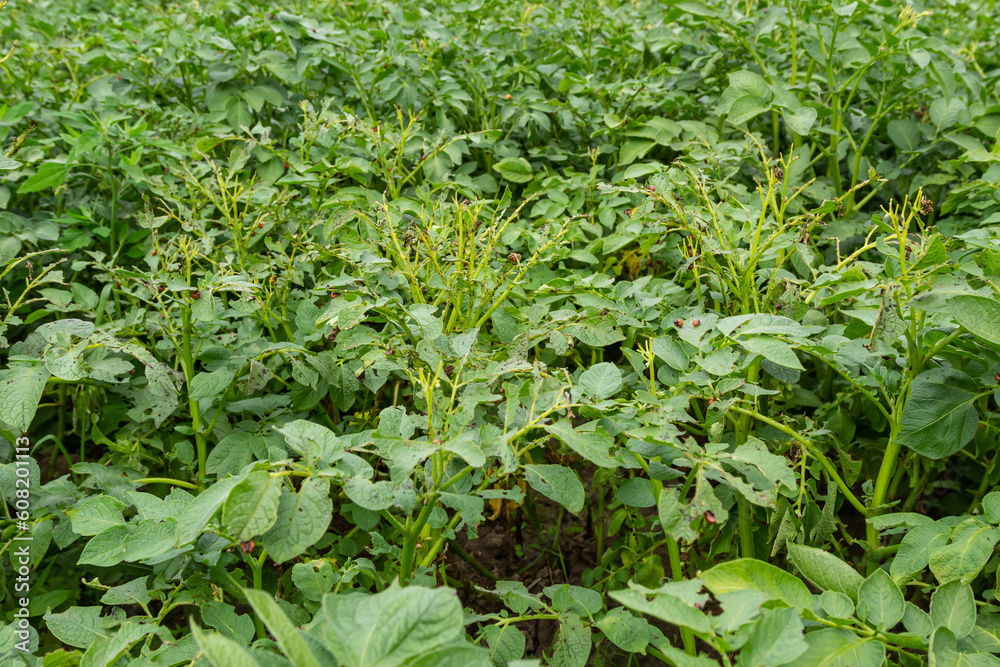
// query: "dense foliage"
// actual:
[[642, 332]]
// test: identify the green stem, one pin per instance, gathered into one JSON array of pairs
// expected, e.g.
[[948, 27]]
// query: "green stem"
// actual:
[[468, 558], [166, 480], [411, 537], [828, 466], [745, 510], [674, 555], [195, 409]]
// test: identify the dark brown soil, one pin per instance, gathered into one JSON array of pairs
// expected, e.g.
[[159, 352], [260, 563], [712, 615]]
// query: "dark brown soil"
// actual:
[[496, 548]]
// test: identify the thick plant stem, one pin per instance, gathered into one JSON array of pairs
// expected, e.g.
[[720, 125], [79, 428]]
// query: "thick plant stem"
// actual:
[[412, 537], [746, 528], [745, 510], [674, 554], [879, 495], [195, 409], [256, 569]]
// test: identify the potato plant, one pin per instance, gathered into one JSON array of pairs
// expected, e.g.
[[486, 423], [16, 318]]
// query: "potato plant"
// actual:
[[444, 333]]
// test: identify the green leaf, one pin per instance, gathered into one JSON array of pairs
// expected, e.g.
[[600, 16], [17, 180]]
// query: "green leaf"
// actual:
[[664, 606], [572, 644], [940, 415], [979, 314], [880, 602], [591, 446], [107, 651], [636, 492], [755, 575], [506, 643], [953, 606], [252, 506], [223, 617], [148, 539], [747, 107], [905, 134], [238, 113], [601, 381], [839, 647], [131, 592], [222, 652], [95, 514], [915, 549], [373, 497], [465, 444], [674, 517], [105, 549], [312, 441], [20, 391], [458, 656], [314, 578], [7, 164], [971, 546], [514, 169], [293, 646], [303, 518], [559, 483], [836, 604], [624, 630], [801, 120], [197, 513], [48, 175], [670, 352], [634, 149], [944, 652], [233, 453], [391, 627], [77, 626], [774, 469], [774, 350], [825, 571], [776, 639], [991, 506], [209, 385]]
